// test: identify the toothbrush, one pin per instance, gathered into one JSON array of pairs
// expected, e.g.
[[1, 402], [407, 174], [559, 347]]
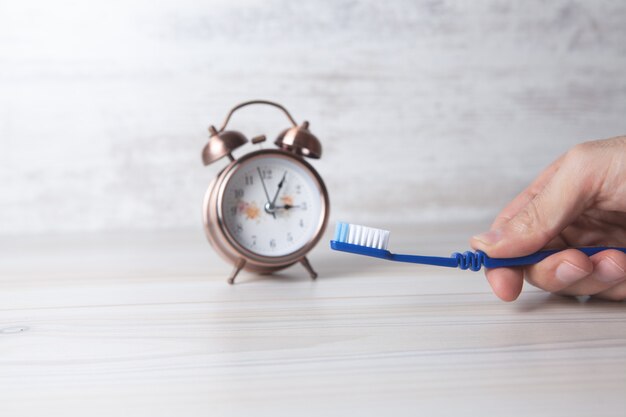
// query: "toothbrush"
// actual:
[[368, 241]]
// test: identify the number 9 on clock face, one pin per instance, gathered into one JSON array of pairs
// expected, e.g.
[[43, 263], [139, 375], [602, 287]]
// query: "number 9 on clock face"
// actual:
[[272, 205]]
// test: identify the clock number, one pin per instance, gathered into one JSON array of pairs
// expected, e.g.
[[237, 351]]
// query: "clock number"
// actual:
[[239, 228], [233, 210], [273, 243], [301, 223], [253, 240], [303, 206], [266, 174], [289, 237], [238, 193], [298, 189], [249, 180]]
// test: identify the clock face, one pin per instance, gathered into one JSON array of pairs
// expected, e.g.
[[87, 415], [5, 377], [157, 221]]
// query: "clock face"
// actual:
[[272, 205]]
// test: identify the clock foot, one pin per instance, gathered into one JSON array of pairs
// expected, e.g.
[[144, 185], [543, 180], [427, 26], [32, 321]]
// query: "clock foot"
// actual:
[[238, 267], [305, 263]]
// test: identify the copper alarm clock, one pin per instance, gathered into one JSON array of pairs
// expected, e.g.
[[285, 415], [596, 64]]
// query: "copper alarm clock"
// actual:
[[267, 209]]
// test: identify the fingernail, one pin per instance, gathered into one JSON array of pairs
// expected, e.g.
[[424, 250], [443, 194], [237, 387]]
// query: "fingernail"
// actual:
[[568, 273], [608, 271], [489, 238]]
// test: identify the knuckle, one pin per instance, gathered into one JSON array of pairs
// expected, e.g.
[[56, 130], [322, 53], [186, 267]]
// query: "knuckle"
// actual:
[[525, 221], [529, 221], [500, 220], [582, 162], [580, 152]]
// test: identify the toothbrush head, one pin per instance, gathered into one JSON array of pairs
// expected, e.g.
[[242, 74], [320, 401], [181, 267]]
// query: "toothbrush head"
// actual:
[[361, 240], [362, 235]]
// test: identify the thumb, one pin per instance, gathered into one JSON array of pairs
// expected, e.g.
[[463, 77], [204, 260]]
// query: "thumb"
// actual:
[[545, 215]]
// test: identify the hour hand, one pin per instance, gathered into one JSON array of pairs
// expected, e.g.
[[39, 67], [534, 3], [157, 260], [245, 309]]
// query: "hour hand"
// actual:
[[287, 206]]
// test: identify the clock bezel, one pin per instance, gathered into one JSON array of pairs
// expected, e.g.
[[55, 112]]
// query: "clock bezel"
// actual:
[[221, 238]]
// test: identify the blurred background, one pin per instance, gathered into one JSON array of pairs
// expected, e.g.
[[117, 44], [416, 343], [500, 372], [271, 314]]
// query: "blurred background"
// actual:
[[428, 111]]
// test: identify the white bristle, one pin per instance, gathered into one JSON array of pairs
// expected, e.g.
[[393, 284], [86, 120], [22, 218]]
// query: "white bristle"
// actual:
[[357, 235], [350, 233], [383, 239], [367, 236], [370, 237]]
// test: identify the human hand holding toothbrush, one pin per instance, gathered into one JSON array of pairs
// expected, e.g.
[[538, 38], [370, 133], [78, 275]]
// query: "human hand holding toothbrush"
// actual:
[[566, 233], [579, 200]]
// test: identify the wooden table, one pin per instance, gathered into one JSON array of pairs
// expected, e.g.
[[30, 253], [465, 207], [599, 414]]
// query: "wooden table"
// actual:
[[143, 324]]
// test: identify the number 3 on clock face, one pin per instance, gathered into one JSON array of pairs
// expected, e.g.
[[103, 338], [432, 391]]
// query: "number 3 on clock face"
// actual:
[[272, 205]]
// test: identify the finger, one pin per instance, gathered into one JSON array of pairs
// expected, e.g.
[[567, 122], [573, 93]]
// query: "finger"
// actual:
[[564, 197], [527, 195], [506, 282], [615, 293], [608, 271], [560, 271]]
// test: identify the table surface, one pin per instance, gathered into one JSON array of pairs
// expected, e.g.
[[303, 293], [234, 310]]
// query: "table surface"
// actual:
[[144, 324]]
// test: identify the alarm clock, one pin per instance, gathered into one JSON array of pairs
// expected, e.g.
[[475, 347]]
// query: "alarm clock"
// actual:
[[267, 209]]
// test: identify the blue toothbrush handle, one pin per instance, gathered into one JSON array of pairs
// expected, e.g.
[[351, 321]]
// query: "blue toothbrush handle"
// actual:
[[475, 260], [469, 260]]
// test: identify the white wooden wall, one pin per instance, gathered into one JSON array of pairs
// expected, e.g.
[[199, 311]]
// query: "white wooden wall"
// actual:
[[427, 110]]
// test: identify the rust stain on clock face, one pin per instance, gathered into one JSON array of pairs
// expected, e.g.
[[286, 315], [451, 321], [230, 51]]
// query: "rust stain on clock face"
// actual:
[[250, 210]]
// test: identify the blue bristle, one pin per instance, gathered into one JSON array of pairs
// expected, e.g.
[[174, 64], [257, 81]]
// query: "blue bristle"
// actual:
[[344, 232], [341, 232], [337, 231]]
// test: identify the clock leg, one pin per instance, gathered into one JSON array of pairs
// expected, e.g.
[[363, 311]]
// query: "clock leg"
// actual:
[[238, 267], [305, 263]]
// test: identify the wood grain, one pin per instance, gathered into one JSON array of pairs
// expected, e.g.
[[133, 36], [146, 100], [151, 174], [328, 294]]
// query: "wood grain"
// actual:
[[144, 324]]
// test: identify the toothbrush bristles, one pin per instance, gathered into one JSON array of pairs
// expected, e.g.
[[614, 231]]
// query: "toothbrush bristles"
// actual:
[[362, 235]]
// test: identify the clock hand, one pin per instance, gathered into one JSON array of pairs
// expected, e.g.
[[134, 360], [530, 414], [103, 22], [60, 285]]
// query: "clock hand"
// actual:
[[287, 206], [280, 185], [269, 207]]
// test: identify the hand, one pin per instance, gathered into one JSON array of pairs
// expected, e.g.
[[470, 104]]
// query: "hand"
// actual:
[[579, 200]]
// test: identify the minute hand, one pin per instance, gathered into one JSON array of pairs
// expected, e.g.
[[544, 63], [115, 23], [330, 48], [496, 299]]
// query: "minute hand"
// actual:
[[269, 207]]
